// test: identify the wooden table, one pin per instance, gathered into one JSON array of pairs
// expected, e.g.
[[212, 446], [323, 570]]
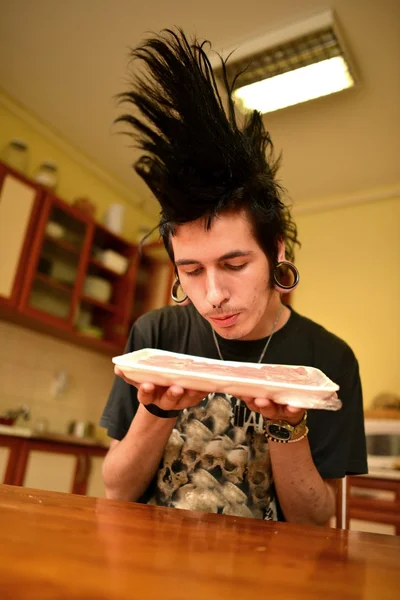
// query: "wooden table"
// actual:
[[58, 546]]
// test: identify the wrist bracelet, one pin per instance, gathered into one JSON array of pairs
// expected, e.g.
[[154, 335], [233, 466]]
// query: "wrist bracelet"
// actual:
[[160, 412], [272, 439]]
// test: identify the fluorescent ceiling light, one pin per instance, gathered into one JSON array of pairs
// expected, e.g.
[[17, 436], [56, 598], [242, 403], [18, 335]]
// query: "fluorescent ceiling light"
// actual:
[[298, 63], [293, 87]]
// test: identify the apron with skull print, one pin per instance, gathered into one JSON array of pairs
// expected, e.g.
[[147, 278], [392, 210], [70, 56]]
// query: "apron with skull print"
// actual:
[[217, 460]]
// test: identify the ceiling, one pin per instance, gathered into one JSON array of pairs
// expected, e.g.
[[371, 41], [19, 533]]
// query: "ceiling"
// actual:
[[66, 61]]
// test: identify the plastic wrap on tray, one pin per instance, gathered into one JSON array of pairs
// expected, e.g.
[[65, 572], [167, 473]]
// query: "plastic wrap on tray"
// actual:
[[305, 387]]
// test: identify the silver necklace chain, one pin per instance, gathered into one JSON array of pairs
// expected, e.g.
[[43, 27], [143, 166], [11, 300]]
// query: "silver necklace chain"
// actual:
[[266, 344]]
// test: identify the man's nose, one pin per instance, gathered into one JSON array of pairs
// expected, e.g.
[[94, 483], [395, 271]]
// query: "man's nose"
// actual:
[[216, 293]]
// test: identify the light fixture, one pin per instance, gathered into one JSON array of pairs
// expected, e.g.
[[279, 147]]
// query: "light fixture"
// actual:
[[289, 66]]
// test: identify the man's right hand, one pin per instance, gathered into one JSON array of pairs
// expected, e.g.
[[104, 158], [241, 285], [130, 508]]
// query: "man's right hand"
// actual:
[[168, 398]]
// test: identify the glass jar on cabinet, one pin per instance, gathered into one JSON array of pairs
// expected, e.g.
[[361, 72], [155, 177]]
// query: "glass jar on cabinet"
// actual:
[[15, 155], [47, 175]]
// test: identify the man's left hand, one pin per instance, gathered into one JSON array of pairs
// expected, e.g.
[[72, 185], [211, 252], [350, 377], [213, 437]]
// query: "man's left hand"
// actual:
[[271, 410]]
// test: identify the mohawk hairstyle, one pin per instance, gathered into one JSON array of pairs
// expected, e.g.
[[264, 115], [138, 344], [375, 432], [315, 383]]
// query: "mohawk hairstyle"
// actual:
[[198, 162]]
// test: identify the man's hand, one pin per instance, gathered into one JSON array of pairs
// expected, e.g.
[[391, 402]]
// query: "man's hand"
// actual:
[[167, 398], [271, 410]]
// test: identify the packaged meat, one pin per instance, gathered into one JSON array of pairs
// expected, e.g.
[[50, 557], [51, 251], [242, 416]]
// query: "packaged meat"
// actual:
[[301, 386]]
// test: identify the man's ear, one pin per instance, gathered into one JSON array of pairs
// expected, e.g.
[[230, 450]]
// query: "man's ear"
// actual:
[[281, 251]]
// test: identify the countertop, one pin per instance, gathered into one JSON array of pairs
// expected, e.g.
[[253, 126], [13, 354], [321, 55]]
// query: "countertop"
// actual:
[[56, 545], [383, 467], [27, 432], [393, 474]]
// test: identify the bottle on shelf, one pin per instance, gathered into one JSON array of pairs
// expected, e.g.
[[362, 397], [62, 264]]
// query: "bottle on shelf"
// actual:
[[114, 218], [16, 155], [47, 175]]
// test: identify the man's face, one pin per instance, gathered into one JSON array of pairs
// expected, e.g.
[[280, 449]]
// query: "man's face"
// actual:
[[224, 267]]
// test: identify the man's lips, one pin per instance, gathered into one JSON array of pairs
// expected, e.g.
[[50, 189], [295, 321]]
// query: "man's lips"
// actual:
[[225, 320]]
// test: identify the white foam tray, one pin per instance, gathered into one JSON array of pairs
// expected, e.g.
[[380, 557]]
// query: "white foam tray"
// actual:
[[320, 396]]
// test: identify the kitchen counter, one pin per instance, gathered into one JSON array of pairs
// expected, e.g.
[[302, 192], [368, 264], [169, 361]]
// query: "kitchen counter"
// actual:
[[393, 474], [56, 545], [23, 442], [27, 432]]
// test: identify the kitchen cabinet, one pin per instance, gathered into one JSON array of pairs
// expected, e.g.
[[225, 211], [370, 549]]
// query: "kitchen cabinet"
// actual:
[[73, 470], [155, 276], [95, 485], [67, 275], [52, 462], [50, 471], [20, 202], [4, 456], [46, 295], [69, 287]]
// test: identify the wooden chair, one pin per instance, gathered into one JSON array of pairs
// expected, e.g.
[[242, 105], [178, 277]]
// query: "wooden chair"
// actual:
[[373, 507], [342, 504]]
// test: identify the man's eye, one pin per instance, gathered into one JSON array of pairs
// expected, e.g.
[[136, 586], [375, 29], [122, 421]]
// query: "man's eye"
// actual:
[[235, 267], [193, 273]]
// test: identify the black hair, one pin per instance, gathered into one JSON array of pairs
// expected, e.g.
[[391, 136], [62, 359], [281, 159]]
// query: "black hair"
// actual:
[[198, 162]]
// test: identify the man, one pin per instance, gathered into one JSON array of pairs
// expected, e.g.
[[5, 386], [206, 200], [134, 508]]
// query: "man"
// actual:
[[228, 235]]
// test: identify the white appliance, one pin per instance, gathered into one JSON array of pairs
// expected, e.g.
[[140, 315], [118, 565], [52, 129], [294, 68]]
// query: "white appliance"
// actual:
[[383, 443]]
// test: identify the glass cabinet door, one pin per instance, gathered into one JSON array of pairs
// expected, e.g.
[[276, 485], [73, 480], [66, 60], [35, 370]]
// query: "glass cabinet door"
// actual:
[[58, 263]]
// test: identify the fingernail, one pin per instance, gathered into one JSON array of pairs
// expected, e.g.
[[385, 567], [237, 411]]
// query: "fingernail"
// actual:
[[261, 403]]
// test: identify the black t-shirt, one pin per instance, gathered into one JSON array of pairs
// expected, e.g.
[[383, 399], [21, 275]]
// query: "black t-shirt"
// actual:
[[211, 454]]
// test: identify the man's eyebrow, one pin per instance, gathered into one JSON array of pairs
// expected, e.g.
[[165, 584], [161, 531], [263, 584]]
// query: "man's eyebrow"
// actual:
[[233, 254], [236, 254]]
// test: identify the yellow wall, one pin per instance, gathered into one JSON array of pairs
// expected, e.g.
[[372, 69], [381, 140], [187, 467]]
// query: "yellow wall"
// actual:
[[75, 179], [350, 283]]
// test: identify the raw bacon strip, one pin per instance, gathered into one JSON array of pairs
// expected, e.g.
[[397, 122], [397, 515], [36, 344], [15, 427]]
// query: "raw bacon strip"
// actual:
[[278, 373]]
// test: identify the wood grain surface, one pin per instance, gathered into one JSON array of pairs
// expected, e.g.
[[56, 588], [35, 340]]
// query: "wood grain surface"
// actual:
[[60, 546]]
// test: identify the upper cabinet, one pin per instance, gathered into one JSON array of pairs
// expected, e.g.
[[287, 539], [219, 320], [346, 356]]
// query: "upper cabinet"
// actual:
[[57, 261], [154, 280], [20, 202], [63, 273]]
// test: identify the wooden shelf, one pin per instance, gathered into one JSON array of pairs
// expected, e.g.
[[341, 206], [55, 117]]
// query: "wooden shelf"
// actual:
[[103, 269], [67, 333], [67, 246], [106, 233], [102, 305], [53, 283]]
